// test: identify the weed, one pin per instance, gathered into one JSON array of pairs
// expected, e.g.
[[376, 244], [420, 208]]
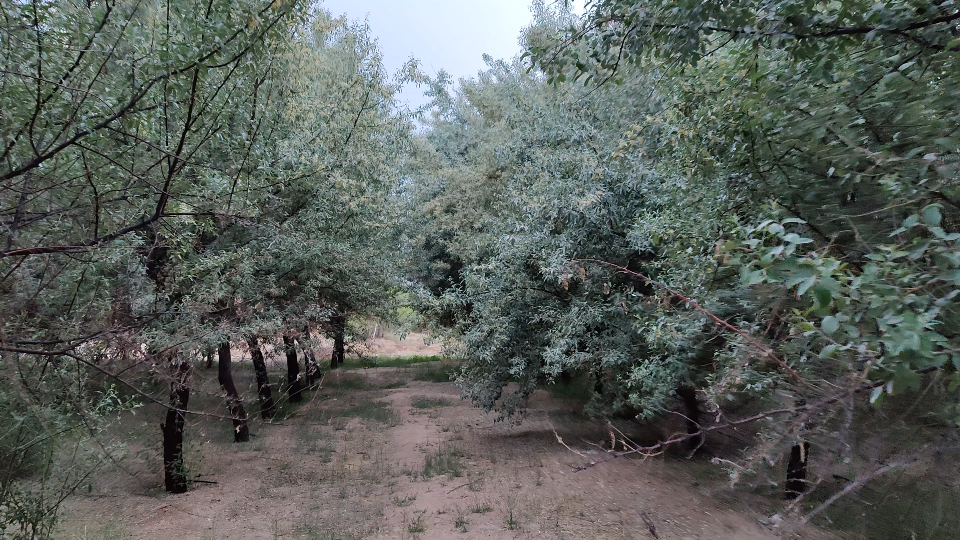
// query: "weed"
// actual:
[[424, 402], [418, 525], [461, 522], [446, 460], [481, 508], [109, 531], [476, 482], [435, 372], [404, 501], [513, 523], [512, 517], [311, 532], [375, 411]]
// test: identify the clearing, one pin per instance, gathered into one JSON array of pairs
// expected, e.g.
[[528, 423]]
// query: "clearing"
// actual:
[[393, 453]]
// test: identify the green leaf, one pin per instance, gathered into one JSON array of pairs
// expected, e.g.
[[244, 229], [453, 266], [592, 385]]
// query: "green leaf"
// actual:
[[806, 284], [905, 379], [830, 324], [824, 296], [932, 216]]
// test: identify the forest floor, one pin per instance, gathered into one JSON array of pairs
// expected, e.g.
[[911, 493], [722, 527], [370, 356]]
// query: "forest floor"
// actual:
[[390, 453]]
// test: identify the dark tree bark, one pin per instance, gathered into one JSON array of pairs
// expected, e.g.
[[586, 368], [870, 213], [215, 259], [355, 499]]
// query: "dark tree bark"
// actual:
[[598, 379], [174, 473], [241, 432], [691, 406], [267, 409], [294, 384], [338, 323], [310, 360], [797, 470], [209, 354]]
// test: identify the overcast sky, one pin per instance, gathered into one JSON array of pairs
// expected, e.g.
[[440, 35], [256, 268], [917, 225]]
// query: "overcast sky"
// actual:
[[443, 34]]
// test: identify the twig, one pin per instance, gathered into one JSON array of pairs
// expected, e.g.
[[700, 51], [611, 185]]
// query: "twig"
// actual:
[[650, 526], [855, 485]]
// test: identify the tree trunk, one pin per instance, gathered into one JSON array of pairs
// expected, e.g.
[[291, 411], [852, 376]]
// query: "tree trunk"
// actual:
[[241, 433], [174, 473], [295, 385], [209, 354], [339, 324], [310, 360], [797, 470], [691, 407], [264, 393], [598, 379]]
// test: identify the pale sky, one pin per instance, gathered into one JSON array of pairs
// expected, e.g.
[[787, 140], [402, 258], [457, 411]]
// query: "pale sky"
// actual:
[[443, 34]]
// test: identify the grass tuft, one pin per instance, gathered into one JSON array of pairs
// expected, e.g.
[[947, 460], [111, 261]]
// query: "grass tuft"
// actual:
[[374, 411], [436, 372], [424, 402], [447, 460], [387, 361]]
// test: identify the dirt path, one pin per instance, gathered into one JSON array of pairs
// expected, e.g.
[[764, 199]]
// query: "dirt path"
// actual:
[[378, 455], [531, 486]]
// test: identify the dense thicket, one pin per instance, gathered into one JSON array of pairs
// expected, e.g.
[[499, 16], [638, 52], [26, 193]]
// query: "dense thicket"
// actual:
[[749, 209]]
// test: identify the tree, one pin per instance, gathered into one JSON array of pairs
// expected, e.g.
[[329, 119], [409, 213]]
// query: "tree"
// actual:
[[829, 132]]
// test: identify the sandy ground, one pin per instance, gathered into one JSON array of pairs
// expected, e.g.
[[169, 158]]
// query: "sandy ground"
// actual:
[[378, 454]]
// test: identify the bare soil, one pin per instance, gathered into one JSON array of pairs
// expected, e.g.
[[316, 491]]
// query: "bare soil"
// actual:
[[379, 454]]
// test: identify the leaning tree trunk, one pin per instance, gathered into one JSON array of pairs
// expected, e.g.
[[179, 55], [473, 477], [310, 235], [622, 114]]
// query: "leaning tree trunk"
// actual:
[[797, 470], [267, 409], [339, 324], [691, 407], [174, 473], [294, 384], [241, 433], [310, 360]]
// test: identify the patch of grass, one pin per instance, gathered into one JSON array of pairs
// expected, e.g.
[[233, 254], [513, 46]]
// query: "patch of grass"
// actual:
[[513, 523], [109, 531], [512, 517], [387, 361], [349, 383], [404, 501], [461, 522], [417, 525], [424, 402], [374, 411], [436, 372], [475, 480], [312, 532], [481, 508], [447, 460]]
